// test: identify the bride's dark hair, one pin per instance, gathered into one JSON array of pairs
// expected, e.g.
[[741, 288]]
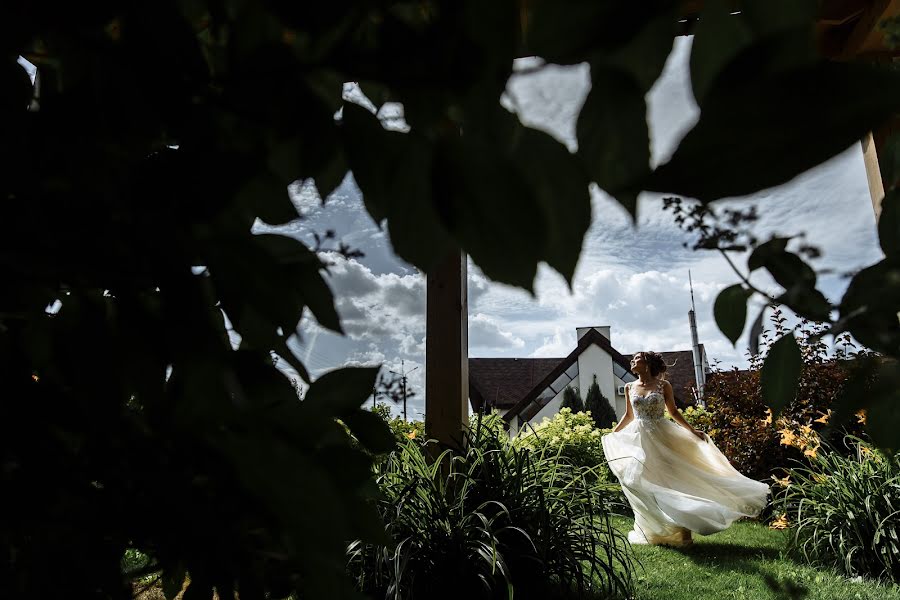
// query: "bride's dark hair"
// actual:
[[655, 362]]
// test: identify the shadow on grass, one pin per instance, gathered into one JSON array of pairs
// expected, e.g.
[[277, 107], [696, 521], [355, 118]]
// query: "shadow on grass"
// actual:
[[735, 557], [722, 553]]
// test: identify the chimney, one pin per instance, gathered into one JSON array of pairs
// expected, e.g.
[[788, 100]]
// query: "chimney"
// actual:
[[603, 329]]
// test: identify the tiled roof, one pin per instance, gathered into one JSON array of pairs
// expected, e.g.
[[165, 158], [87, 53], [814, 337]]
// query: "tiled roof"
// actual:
[[501, 382]]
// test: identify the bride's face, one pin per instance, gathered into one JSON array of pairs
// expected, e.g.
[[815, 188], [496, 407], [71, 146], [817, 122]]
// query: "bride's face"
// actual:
[[638, 362]]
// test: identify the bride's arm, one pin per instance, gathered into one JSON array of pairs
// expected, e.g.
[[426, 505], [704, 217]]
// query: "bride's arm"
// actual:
[[676, 414], [628, 414]]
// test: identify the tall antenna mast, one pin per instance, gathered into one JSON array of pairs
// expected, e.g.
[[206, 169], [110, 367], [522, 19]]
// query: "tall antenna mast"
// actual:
[[699, 372], [691, 284]]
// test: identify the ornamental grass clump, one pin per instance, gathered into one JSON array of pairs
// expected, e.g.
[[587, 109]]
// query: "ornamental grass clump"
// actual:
[[844, 511], [492, 521]]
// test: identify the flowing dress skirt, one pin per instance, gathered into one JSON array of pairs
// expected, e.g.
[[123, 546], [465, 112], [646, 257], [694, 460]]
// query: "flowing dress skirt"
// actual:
[[677, 483]]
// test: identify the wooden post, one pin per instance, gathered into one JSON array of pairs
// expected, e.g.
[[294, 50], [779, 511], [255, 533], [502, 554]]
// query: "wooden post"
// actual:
[[447, 351], [873, 173]]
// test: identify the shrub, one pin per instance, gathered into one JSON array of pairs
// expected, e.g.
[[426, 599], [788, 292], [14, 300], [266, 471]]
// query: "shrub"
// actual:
[[743, 426], [844, 511], [571, 436], [572, 400], [698, 417], [494, 520], [599, 407]]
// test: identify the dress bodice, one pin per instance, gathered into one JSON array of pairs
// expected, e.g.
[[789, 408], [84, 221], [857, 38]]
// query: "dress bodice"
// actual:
[[650, 406]]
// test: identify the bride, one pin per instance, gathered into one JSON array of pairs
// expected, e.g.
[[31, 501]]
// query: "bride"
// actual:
[[676, 480]]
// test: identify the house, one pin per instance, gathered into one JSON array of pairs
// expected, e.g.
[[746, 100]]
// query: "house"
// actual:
[[526, 390]]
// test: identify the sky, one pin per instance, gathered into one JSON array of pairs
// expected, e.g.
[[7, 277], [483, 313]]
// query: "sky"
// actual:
[[632, 278]]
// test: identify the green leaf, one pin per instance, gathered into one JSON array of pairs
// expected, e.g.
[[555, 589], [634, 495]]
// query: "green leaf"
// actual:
[[367, 521], [889, 224], [340, 392], [756, 331], [486, 201], [775, 124], [869, 306], [371, 431], [302, 277], [882, 403], [561, 186], [394, 171], [776, 34], [718, 39], [807, 302], [730, 311], [644, 56], [613, 139], [793, 274], [589, 25], [889, 162], [267, 197], [780, 376], [765, 252]]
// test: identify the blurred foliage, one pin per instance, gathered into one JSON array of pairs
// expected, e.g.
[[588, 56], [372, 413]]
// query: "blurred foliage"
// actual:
[[159, 133]]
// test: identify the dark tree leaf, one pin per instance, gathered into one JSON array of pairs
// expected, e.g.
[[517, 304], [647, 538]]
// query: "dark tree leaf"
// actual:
[[173, 582], [371, 431], [303, 276], [266, 196], [765, 252], [590, 26], [889, 224], [889, 162], [778, 119], [756, 331], [869, 306], [882, 404], [718, 39], [394, 172], [793, 274], [338, 393], [777, 34], [807, 302], [730, 311], [644, 56], [560, 185], [485, 200], [613, 139], [198, 591], [781, 373]]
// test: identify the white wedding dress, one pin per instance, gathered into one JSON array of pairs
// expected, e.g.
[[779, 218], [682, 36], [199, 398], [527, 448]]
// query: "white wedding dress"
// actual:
[[675, 482]]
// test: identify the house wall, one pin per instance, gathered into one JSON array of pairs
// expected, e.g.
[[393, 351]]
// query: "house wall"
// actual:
[[514, 427], [595, 360], [621, 403]]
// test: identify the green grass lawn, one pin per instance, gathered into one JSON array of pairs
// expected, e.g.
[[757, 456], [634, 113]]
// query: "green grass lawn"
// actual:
[[745, 561]]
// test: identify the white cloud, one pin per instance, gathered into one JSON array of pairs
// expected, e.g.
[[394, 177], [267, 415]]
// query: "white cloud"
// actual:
[[487, 333]]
